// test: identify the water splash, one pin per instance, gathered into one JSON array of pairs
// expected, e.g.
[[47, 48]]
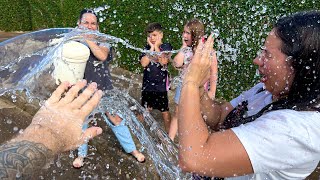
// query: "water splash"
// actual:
[[162, 151], [27, 65], [30, 58]]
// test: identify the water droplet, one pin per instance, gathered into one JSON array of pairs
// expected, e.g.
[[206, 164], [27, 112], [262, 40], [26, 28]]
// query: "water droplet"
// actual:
[[9, 121]]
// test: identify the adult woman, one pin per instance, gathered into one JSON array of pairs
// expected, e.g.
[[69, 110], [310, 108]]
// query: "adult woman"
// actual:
[[97, 71], [283, 142]]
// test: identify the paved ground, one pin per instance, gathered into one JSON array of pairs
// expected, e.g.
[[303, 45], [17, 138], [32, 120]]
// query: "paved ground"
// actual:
[[6, 35]]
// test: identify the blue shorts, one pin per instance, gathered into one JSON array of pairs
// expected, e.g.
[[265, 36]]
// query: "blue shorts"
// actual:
[[178, 93]]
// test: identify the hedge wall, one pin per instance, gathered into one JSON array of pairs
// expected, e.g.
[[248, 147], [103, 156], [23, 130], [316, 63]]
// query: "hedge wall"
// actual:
[[242, 24]]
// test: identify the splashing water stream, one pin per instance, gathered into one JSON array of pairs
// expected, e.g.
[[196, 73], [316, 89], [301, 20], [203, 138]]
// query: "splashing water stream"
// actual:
[[28, 65]]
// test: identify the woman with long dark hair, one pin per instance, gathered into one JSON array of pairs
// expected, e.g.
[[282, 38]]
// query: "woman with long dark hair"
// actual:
[[280, 141]]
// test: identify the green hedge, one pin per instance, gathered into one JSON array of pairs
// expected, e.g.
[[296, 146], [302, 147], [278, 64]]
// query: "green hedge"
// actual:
[[15, 15], [242, 24]]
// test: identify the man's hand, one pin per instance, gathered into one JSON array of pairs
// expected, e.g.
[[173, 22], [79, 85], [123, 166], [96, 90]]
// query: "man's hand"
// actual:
[[58, 123]]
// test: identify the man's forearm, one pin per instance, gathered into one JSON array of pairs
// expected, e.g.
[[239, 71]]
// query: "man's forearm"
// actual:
[[23, 159]]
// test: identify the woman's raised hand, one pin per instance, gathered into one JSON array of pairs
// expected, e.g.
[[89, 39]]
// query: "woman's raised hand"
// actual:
[[198, 71]]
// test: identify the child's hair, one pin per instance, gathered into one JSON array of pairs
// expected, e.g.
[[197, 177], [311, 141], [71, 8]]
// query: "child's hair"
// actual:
[[196, 28], [153, 27], [84, 11]]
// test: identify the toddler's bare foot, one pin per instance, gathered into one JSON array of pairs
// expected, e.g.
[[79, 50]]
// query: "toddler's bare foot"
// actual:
[[138, 155], [78, 162]]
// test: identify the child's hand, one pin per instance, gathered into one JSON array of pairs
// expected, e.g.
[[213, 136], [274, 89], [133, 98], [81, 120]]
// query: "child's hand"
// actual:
[[164, 58], [158, 41], [184, 44], [150, 43]]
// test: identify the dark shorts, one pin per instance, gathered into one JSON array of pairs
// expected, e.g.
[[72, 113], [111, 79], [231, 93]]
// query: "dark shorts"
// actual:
[[155, 100]]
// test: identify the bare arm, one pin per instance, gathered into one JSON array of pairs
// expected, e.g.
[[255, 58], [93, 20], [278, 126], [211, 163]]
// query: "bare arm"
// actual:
[[55, 128], [219, 154], [100, 52], [145, 61], [23, 158], [178, 59], [213, 111]]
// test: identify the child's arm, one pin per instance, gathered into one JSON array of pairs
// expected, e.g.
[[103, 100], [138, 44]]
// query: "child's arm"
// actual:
[[179, 58], [145, 61]]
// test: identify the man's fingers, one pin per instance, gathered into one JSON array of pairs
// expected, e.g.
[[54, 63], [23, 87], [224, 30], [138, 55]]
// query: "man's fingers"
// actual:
[[91, 103], [90, 133], [85, 95], [73, 92], [56, 95]]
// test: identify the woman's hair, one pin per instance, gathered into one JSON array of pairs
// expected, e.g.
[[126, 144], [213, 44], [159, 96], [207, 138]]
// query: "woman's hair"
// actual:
[[196, 28], [84, 11], [300, 36]]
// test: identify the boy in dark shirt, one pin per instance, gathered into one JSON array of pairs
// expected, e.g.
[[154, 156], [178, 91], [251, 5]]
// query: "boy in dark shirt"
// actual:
[[155, 75]]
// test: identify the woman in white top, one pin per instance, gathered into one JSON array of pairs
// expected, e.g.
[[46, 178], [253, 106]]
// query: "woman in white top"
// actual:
[[281, 141]]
